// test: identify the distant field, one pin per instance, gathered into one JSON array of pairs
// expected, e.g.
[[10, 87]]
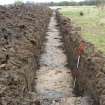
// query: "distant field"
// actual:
[[92, 23]]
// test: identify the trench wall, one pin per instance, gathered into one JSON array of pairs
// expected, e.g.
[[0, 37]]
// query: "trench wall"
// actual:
[[91, 76]]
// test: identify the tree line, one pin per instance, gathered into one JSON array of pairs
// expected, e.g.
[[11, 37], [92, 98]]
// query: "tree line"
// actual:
[[99, 3], [72, 3]]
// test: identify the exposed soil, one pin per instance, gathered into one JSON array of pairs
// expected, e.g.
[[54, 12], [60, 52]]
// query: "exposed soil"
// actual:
[[54, 80], [22, 31], [91, 71], [33, 62]]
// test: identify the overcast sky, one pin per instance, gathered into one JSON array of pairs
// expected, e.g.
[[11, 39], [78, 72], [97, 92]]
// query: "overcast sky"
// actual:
[[2, 2]]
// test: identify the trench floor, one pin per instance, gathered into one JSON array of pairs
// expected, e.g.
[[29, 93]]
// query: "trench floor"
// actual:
[[54, 80]]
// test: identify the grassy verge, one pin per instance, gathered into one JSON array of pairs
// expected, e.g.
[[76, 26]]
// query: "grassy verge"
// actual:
[[92, 23]]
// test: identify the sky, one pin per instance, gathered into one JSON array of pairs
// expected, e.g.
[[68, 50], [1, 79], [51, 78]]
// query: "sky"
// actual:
[[3, 2]]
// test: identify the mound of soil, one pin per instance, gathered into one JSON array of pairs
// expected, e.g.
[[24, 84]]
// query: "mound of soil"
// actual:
[[22, 31]]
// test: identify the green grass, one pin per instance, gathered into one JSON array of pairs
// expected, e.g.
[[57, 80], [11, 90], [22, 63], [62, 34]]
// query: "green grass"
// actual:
[[92, 23]]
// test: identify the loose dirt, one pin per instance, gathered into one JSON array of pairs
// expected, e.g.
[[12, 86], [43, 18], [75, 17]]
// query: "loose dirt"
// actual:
[[22, 31]]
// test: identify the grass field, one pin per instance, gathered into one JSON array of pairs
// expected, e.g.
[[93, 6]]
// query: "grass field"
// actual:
[[92, 23]]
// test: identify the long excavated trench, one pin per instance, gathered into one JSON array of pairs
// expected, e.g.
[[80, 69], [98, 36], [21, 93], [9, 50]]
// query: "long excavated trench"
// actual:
[[54, 80]]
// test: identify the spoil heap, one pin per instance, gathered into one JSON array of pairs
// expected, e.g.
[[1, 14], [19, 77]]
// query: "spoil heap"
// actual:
[[22, 31]]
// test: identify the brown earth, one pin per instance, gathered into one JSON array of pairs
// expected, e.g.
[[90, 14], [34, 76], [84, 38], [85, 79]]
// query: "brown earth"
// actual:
[[22, 31], [91, 77]]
